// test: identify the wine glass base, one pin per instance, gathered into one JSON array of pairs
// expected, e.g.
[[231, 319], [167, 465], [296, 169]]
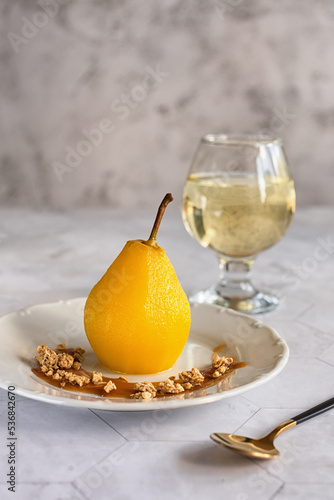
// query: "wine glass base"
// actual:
[[258, 303]]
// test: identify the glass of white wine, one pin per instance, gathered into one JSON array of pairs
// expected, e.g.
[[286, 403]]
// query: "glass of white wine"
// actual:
[[238, 200]]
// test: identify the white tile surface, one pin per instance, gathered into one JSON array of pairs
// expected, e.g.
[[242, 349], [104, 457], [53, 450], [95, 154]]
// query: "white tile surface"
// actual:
[[303, 341], [51, 446], [305, 491], [319, 316], [43, 491], [177, 470], [302, 381], [78, 454], [327, 354], [179, 425]]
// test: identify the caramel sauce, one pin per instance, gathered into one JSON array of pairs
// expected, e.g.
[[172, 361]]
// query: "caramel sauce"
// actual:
[[124, 388]]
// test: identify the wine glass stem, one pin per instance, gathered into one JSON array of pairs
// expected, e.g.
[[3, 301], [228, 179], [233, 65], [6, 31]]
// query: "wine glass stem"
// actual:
[[235, 278]]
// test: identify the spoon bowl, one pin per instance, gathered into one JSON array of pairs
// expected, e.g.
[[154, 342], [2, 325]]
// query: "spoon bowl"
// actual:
[[264, 447], [259, 448]]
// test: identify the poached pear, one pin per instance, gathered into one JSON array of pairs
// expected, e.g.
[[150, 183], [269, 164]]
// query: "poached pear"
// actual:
[[137, 317]]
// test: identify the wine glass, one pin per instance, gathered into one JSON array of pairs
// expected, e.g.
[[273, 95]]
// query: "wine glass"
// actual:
[[238, 200]]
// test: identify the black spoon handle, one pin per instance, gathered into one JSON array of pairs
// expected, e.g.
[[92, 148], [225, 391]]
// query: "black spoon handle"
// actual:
[[313, 412]]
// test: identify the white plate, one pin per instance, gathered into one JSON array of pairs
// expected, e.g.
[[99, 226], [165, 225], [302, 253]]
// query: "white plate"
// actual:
[[246, 338]]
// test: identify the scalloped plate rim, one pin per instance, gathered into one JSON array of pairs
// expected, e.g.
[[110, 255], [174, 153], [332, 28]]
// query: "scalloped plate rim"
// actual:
[[118, 404]]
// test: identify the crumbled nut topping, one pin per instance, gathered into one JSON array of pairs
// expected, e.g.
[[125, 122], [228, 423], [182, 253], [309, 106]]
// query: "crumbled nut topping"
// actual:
[[170, 387], [53, 364], [47, 357], [110, 386], [144, 390], [77, 379], [97, 377], [187, 385], [218, 361], [145, 387], [221, 363], [142, 395], [51, 360], [62, 367], [65, 360], [220, 371], [193, 376], [72, 378]]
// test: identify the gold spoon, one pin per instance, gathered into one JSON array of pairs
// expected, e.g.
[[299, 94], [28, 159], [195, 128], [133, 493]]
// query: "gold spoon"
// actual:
[[264, 447]]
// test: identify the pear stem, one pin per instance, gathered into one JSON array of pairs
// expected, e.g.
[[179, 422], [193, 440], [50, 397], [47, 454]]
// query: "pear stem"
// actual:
[[161, 210]]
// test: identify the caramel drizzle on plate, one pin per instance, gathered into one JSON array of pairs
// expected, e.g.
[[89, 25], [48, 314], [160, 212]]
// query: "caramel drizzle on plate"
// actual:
[[124, 388]]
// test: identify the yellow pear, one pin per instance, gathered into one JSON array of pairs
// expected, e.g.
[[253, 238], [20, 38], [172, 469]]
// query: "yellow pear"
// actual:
[[137, 317]]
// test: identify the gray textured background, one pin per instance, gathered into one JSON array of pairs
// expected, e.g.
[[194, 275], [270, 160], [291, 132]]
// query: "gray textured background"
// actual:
[[229, 66]]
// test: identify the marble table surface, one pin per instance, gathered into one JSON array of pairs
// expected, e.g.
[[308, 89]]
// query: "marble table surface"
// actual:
[[68, 453]]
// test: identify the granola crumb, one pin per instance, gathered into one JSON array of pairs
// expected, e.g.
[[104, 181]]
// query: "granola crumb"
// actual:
[[142, 395], [55, 365], [170, 387], [145, 387], [64, 368], [82, 380], [97, 377], [193, 376], [187, 385], [110, 386], [220, 371], [47, 357], [74, 379], [218, 361], [144, 390], [65, 360]]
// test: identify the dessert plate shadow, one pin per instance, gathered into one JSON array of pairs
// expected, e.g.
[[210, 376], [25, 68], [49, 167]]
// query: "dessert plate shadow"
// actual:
[[244, 337]]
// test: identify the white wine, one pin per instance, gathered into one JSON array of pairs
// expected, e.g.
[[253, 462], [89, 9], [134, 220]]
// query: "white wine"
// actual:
[[237, 216]]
